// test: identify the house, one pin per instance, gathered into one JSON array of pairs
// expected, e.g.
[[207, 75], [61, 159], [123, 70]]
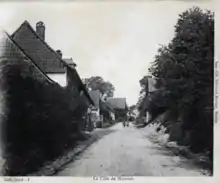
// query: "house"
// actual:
[[95, 109], [70, 62], [60, 70], [107, 111], [81, 95], [33, 44], [151, 85], [11, 54], [101, 111], [120, 107], [96, 96], [74, 83], [51, 62], [149, 91]]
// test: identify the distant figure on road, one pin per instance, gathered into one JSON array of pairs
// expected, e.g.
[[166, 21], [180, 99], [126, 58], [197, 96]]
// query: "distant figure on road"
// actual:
[[124, 123]]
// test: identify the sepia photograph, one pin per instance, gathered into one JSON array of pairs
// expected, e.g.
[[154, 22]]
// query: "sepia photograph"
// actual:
[[107, 88]]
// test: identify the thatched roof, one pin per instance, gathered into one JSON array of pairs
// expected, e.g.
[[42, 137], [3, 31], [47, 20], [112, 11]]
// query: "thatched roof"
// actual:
[[95, 96]]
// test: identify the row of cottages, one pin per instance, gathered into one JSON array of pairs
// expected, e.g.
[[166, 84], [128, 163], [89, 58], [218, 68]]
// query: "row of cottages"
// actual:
[[94, 111], [107, 111], [61, 70], [100, 112]]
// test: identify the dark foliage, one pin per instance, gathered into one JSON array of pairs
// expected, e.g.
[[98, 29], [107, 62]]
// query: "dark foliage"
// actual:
[[120, 115], [39, 124], [97, 83], [184, 72]]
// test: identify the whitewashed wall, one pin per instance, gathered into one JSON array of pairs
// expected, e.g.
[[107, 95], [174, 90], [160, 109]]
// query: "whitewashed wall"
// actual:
[[59, 78], [112, 115]]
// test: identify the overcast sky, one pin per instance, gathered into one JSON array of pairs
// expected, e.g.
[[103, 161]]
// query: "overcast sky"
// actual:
[[117, 41]]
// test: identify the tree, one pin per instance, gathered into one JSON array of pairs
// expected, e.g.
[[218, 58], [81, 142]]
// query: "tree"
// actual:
[[131, 110], [144, 83], [184, 69], [98, 83], [143, 98]]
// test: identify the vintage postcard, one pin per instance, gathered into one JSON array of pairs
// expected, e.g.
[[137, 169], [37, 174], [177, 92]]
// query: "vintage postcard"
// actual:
[[96, 91]]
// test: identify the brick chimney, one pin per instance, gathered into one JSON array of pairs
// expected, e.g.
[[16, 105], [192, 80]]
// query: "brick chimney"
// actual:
[[59, 53], [40, 30]]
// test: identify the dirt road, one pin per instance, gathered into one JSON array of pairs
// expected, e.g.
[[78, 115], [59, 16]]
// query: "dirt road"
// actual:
[[128, 152]]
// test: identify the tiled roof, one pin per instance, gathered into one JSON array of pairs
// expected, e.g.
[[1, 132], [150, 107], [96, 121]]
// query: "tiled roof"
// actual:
[[48, 60], [38, 50], [11, 52], [117, 103]]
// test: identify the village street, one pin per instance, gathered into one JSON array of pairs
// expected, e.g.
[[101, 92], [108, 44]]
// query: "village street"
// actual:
[[128, 152]]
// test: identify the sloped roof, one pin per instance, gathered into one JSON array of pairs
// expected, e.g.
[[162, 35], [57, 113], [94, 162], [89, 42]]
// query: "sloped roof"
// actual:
[[105, 106], [11, 52], [117, 103], [69, 61], [108, 106], [74, 79], [95, 95], [37, 49]]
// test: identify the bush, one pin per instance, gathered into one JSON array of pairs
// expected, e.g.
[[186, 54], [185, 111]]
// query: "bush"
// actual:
[[184, 72], [40, 122]]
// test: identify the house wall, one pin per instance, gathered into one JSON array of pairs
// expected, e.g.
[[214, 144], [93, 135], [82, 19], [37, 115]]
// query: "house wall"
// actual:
[[97, 112], [59, 78], [112, 116], [148, 117], [94, 116]]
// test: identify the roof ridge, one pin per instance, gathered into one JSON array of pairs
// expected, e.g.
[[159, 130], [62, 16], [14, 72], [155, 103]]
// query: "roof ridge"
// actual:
[[38, 37], [19, 27]]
